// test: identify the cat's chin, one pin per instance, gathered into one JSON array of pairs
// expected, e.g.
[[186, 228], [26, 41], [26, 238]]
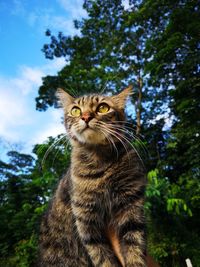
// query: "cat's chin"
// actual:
[[91, 137]]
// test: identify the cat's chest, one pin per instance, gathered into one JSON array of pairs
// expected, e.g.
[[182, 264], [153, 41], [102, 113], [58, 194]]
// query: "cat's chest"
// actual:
[[97, 177], [99, 187]]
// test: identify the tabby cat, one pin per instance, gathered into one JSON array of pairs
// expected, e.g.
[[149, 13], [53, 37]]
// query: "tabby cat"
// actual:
[[96, 217]]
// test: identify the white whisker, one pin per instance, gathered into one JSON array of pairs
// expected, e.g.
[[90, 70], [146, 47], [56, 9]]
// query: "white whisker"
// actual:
[[129, 133], [116, 134], [110, 140], [113, 133], [50, 148], [66, 142]]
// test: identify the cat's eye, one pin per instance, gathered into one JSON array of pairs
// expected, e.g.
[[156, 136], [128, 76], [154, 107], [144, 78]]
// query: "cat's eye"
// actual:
[[75, 112], [103, 108]]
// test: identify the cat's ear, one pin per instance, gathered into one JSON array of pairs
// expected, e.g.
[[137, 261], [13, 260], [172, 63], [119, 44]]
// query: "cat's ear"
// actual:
[[121, 98], [64, 98]]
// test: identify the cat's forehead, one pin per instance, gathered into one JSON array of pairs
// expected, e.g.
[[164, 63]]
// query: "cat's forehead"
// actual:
[[88, 100]]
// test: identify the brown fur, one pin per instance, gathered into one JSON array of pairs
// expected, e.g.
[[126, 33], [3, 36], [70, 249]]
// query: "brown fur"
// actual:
[[115, 243], [97, 217]]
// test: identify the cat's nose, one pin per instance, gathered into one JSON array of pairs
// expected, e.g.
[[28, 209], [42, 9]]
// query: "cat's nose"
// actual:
[[86, 116]]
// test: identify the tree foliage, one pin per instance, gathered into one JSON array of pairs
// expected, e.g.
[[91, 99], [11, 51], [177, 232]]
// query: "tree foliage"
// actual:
[[25, 190], [155, 46]]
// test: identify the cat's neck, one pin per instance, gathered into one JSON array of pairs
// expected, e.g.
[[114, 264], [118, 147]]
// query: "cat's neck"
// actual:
[[98, 152]]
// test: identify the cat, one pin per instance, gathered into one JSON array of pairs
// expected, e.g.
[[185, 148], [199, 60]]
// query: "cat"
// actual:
[[96, 217]]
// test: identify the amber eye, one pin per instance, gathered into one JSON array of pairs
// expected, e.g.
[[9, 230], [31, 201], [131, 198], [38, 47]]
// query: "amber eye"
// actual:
[[75, 112], [103, 108]]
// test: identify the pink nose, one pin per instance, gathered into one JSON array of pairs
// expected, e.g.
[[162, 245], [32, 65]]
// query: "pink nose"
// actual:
[[86, 116]]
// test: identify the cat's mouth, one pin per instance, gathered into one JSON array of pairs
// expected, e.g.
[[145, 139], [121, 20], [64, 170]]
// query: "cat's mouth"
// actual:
[[87, 128], [89, 134]]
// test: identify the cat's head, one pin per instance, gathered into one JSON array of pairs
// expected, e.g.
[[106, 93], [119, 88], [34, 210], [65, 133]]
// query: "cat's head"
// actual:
[[94, 119]]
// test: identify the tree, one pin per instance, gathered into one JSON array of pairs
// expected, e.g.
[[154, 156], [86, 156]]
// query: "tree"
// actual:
[[25, 190], [174, 52], [16, 203]]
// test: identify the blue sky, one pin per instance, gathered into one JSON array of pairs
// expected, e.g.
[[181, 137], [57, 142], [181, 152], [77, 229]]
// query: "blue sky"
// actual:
[[22, 65]]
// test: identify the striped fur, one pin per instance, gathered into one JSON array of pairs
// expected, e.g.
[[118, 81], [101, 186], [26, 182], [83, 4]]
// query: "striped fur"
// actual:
[[96, 217]]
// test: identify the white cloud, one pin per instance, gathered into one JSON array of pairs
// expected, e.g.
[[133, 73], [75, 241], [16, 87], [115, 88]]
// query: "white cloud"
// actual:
[[30, 77], [46, 15], [63, 24], [52, 128], [12, 109], [54, 65], [75, 8], [46, 19], [43, 18], [27, 79], [20, 122]]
